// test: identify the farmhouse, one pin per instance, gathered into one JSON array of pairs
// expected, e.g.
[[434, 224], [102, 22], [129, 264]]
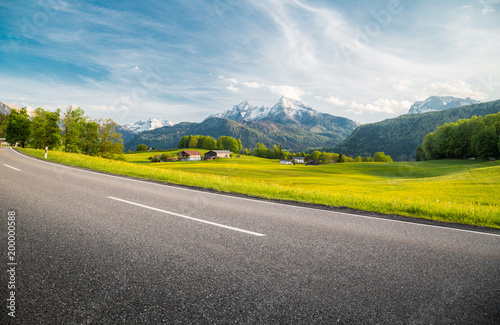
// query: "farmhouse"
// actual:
[[189, 155], [286, 162], [213, 154], [298, 160]]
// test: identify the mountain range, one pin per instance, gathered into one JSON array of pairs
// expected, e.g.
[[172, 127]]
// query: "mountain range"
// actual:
[[288, 123]]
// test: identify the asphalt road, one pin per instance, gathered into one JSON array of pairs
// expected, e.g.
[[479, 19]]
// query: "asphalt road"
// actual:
[[98, 249]]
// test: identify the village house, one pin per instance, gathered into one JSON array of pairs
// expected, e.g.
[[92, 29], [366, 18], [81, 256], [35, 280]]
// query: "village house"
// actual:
[[298, 160], [214, 154], [189, 155], [286, 162]]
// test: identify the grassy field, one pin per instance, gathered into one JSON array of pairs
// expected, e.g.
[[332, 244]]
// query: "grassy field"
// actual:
[[460, 191]]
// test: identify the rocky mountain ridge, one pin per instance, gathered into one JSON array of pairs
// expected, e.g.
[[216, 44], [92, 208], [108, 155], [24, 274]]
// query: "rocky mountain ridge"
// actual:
[[439, 103]]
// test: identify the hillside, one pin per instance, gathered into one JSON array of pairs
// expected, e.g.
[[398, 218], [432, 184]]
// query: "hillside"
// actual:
[[399, 137], [249, 132]]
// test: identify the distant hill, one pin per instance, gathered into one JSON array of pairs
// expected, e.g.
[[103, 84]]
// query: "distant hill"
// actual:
[[289, 123], [400, 136], [249, 132], [439, 103]]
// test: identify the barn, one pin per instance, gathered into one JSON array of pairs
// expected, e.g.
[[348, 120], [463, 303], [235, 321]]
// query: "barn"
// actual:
[[189, 155], [214, 154]]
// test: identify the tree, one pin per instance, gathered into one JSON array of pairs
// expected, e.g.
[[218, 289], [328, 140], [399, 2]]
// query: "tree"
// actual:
[[183, 142], [327, 157], [74, 125], [193, 142], [4, 119], [111, 142], [141, 148], [229, 143], [18, 127], [45, 129], [419, 153], [315, 155], [90, 142], [381, 157], [485, 142], [260, 150]]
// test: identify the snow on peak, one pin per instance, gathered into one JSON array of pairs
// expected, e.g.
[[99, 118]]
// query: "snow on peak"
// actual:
[[244, 112], [147, 125], [439, 103], [287, 106], [292, 108]]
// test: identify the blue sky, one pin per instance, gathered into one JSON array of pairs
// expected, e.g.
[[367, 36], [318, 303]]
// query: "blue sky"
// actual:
[[184, 60]]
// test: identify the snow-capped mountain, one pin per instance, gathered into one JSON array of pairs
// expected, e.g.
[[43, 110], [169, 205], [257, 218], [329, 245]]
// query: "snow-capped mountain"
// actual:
[[290, 113], [244, 112], [292, 110], [439, 103], [146, 125], [284, 109]]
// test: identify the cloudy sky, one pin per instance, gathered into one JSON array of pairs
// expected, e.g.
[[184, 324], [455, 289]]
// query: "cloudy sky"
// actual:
[[183, 60]]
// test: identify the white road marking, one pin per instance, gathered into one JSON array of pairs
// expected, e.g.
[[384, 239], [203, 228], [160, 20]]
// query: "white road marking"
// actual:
[[187, 217], [260, 200], [12, 167]]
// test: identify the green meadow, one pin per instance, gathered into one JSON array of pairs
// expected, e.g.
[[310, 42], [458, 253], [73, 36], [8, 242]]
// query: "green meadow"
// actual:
[[459, 191]]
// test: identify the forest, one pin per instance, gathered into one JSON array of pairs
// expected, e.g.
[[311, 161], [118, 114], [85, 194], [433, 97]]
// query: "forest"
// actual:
[[467, 138]]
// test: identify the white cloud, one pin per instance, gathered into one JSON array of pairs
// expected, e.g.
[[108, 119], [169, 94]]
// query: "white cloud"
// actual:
[[233, 88], [402, 85], [253, 84], [458, 88], [287, 91], [104, 108], [281, 90], [488, 6], [387, 106], [333, 100]]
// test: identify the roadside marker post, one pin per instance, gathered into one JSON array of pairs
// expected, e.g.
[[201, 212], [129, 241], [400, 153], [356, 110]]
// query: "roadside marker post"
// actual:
[[46, 148]]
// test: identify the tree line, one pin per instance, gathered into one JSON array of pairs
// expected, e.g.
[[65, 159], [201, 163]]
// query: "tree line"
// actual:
[[317, 156], [73, 132], [474, 137], [209, 143]]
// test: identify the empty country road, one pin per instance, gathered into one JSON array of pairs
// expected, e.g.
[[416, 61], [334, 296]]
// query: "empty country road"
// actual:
[[93, 248]]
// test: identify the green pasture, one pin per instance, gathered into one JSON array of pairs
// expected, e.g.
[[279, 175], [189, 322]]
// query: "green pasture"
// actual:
[[460, 191]]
